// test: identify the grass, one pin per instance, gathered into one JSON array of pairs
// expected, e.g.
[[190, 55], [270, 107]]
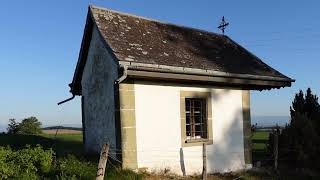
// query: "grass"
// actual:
[[261, 135], [259, 148], [64, 144], [260, 153]]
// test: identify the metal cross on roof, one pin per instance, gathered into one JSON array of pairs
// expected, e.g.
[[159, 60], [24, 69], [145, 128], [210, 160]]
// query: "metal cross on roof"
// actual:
[[223, 25]]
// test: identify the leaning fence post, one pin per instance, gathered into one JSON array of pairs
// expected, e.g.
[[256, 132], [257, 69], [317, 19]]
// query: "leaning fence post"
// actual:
[[102, 162], [204, 160]]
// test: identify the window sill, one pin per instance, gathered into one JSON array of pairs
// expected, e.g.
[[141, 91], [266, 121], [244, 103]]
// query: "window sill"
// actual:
[[197, 142]]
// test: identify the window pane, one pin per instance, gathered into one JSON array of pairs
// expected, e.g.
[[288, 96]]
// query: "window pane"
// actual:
[[197, 103], [204, 131], [187, 105], [188, 131], [196, 118], [197, 110], [198, 130], [188, 119]]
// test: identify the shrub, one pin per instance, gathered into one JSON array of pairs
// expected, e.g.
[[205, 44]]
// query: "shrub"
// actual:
[[26, 163], [38, 163], [71, 168], [7, 169]]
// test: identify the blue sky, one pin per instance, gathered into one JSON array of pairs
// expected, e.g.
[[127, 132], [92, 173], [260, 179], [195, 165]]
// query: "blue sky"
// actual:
[[40, 42]]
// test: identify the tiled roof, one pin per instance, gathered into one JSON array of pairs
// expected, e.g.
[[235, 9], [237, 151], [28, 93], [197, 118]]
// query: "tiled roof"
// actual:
[[141, 40]]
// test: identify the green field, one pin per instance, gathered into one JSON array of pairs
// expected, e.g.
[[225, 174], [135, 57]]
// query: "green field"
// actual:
[[62, 144], [259, 147], [65, 137], [261, 135], [259, 140]]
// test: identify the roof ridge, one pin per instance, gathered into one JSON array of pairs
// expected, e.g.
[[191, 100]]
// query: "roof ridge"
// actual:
[[155, 20]]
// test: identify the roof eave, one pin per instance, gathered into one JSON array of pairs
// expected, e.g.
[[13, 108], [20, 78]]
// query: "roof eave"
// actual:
[[249, 84], [170, 73]]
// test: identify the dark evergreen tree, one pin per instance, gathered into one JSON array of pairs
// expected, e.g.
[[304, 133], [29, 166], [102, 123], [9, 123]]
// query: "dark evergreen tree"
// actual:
[[299, 142], [12, 126]]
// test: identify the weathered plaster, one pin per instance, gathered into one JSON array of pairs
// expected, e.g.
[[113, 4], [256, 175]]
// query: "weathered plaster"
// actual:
[[99, 102]]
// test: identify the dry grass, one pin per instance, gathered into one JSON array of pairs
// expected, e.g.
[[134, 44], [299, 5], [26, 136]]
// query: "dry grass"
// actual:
[[61, 131]]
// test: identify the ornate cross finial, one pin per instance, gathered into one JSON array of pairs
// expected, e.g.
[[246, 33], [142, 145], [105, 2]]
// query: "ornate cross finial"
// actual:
[[223, 25]]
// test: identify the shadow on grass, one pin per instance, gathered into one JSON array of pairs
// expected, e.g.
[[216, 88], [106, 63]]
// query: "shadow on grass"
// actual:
[[263, 141], [60, 146]]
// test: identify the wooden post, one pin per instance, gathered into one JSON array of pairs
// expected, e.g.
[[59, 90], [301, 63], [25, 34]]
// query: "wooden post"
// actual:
[[275, 151], [102, 162], [204, 160]]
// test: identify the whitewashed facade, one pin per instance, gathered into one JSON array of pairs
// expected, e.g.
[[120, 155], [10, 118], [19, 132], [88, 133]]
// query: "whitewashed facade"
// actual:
[[158, 130]]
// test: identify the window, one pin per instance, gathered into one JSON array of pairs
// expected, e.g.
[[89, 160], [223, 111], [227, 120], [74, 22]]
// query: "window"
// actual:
[[196, 118]]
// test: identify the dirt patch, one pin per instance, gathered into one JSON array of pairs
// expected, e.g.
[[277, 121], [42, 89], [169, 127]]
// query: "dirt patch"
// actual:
[[61, 131]]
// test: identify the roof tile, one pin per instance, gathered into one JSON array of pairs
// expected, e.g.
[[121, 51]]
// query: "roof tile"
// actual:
[[142, 40]]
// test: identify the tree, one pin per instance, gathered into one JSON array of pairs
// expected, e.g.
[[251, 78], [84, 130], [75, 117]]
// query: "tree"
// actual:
[[29, 125], [12, 126], [299, 142]]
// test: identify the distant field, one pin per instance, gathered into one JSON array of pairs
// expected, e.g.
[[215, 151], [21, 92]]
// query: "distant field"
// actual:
[[63, 134], [65, 137], [61, 131]]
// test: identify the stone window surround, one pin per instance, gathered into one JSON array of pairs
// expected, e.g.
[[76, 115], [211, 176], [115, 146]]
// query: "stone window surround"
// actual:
[[195, 94]]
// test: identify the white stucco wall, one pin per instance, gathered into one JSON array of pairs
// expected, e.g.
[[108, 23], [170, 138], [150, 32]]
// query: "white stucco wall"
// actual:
[[98, 78], [158, 130]]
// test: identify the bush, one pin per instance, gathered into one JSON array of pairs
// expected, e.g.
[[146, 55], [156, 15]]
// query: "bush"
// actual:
[[7, 169], [38, 163], [73, 168], [29, 125], [26, 163]]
